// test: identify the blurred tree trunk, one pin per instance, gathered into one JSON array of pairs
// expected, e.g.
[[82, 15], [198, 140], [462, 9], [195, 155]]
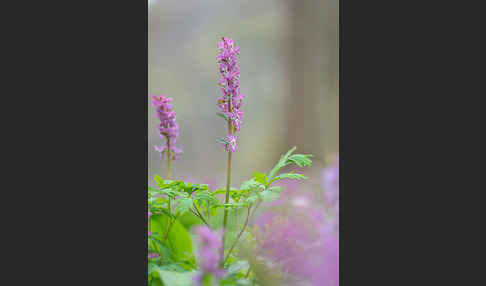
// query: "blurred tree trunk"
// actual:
[[313, 104]]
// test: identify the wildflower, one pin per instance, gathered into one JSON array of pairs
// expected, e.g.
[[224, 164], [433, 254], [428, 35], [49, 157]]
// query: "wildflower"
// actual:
[[230, 143], [168, 127], [300, 239], [174, 150], [209, 252], [231, 99], [329, 270]]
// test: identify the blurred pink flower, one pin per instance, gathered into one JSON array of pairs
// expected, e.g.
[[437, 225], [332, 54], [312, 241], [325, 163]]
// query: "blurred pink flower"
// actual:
[[209, 252], [299, 237]]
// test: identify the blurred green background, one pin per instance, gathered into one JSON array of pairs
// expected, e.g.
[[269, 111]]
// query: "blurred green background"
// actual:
[[289, 74]]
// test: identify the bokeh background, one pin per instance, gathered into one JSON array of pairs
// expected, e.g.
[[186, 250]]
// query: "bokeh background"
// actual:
[[289, 74]]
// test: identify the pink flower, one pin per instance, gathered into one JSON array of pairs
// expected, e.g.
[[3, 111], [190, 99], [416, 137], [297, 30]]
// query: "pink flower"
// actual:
[[300, 239], [229, 143], [209, 252], [231, 99], [168, 127]]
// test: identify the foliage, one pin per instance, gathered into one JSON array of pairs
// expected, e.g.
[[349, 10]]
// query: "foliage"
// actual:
[[171, 200]]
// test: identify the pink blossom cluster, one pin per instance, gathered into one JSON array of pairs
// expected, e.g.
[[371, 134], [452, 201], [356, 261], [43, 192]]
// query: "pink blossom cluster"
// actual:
[[300, 236], [231, 99], [168, 127], [303, 244]]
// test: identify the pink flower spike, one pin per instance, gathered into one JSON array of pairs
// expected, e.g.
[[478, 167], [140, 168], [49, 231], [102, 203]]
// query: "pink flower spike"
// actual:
[[168, 128]]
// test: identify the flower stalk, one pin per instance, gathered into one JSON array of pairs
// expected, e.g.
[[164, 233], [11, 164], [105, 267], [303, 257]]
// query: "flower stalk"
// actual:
[[168, 166], [168, 129], [230, 105], [228, 184]]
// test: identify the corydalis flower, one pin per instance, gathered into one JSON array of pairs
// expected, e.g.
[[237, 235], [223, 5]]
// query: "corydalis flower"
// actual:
[[230, 143], [230, 101], [209, 252], [175, 151], [300, 238], [168, 127], [304, 245]]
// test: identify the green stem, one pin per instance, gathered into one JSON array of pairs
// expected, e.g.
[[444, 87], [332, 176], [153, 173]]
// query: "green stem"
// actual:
[[168, 164], [228, 183], [239, 235], [209, 213], [247, 272], [225, 218], [200, 215], [171, 223]]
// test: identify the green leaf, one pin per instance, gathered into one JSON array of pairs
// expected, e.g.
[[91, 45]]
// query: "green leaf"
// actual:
[[207, 197], [268, 196], [275, 189], [281, 163], [169, 192], [291, 176], [219, 191], [171, 267], [301, 160], [252, 199], [156, 281], [188, 220], [260, 178], [183, 205], [158, 224], [151, 267], [234, 205], [237, 267], [243, 282], [223, 191], [223, 140], [158, 179], [288, 176], [252, 185], [152, 189], [180, 242], [222, 115], [172, 278]]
